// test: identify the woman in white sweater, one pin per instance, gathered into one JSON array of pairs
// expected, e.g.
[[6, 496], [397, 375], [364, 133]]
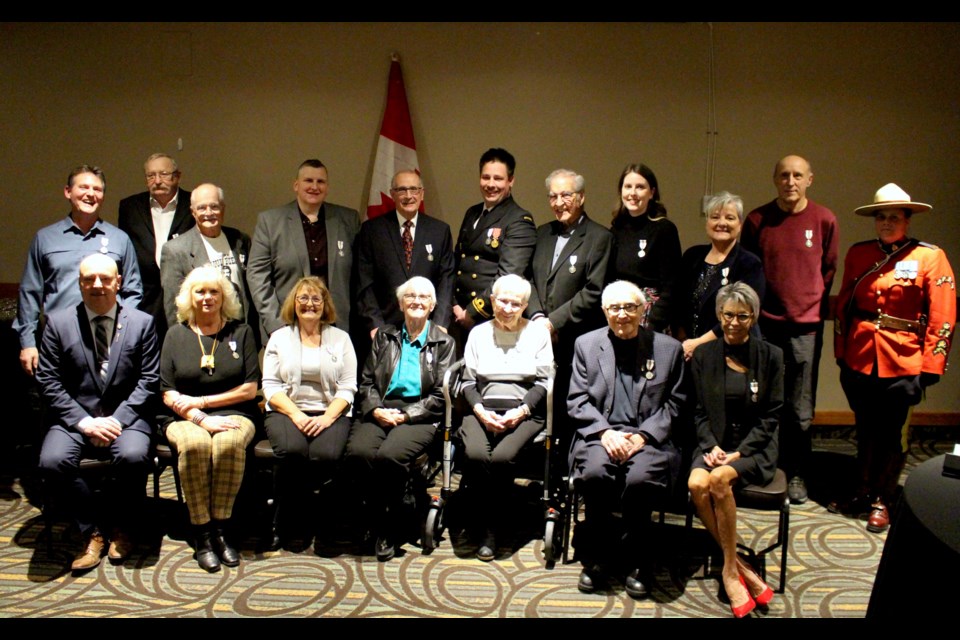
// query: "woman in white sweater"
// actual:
[[309, 380]]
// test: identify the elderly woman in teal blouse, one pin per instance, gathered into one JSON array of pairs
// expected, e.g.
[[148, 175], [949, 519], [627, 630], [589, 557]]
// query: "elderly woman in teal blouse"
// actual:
[[400, 404]]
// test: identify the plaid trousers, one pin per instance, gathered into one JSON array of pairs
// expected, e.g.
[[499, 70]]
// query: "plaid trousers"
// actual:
[[211, 467]]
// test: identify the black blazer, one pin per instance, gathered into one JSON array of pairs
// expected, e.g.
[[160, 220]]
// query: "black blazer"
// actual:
[[135, 220], [381, 268], [744, 267], [761, 417], [570, 300]]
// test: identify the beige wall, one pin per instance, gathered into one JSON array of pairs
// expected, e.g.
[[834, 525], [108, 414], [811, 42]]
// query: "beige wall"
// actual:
[[866, 103]]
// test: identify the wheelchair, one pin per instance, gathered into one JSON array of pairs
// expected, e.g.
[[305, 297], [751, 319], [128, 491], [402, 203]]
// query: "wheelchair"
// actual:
[[544, 444]]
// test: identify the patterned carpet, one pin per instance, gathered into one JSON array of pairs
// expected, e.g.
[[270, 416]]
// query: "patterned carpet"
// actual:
[[832, 564]]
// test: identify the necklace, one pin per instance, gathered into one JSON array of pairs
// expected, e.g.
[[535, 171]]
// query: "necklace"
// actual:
[[206, 360]]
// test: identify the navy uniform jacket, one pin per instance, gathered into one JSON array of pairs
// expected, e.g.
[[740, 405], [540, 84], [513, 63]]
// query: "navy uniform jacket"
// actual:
[[512, 235]]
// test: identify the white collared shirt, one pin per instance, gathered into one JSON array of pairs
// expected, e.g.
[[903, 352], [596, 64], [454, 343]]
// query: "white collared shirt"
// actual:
[[163, 220], [413, 226]]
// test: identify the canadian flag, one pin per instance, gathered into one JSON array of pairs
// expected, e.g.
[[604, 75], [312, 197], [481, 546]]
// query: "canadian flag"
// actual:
[[396, 149]]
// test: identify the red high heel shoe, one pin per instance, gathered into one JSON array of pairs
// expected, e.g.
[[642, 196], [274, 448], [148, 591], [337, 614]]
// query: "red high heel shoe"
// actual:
[[764, 597], [747, 606]]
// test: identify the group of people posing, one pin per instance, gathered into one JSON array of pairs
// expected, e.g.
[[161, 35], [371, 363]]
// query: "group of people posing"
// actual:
[[360, 323]]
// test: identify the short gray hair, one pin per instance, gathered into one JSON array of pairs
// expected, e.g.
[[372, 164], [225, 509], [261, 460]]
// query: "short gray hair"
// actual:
[[514, 283], [157, 156], [720, 200], [742, 294], [622, 289], [578, 182], [414, 283]]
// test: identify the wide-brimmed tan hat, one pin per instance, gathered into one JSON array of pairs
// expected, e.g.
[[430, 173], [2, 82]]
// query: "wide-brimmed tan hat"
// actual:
[[890, 196]]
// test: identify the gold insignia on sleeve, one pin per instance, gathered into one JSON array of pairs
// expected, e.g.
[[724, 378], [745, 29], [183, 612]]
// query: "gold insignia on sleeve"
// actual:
[[944, 331], [941, 348], [478, 304], [947, 279]]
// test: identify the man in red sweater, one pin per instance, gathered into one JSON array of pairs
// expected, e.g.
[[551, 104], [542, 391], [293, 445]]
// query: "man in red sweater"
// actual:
[[798, 242]]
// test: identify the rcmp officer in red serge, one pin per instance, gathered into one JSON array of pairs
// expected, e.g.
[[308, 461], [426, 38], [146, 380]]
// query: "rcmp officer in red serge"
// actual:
[[895, 318], [497, 237]]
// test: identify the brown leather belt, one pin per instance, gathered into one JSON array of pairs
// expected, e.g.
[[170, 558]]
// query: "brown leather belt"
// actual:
[[885, 321]]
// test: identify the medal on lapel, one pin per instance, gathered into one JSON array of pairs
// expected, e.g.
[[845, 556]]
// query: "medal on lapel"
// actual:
[[429, 249], [495, 242], [754, 389], [643, 249], [649, 368], [104, 241], [340, 247], [724, 273], [809, 234], [573, 264], [233, 348]]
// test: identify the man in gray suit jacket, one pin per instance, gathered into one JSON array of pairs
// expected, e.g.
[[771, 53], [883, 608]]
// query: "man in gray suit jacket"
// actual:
[[305, 237], [626, 393], [207, 243]]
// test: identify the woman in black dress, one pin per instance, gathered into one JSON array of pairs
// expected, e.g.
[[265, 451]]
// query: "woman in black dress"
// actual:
[[739, 385], [209, 375], [707, 267], [646, 246]]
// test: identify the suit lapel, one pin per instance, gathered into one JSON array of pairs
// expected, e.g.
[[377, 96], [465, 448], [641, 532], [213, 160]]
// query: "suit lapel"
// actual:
[[576, 239], [297, 241], [608, 369], [644, 353], [391, 233], [182, 216]]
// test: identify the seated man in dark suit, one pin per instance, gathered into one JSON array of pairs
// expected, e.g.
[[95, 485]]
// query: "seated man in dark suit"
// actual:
[[209, 242], [626, 394], [383, 262], [151, 218], [99, 375]]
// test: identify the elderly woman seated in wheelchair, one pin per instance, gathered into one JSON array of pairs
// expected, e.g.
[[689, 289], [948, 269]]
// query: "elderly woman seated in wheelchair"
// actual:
[[400, 406], [507, 364]]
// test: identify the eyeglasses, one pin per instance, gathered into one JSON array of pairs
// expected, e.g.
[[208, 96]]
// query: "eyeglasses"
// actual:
[[629, 309], [510, 304], [212, 208], [566, 196], [405, 190], [419, 297], [160, 175], [314, 300], [742, 318]]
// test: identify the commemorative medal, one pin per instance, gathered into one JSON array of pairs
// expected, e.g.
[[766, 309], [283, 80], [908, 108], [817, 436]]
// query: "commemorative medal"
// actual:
[[643, 249], [809, 234]]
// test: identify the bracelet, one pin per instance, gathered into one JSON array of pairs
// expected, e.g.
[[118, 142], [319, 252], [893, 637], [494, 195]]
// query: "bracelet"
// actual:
[[198, 417], [204, 403]]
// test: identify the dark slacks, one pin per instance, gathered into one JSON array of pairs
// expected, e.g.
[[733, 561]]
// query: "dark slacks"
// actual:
[[380, 460], [490, 461], [129, 455], [632, 488]]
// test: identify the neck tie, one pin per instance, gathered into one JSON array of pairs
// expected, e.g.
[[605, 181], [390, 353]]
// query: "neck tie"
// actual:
[[407, 239], [103, 344]]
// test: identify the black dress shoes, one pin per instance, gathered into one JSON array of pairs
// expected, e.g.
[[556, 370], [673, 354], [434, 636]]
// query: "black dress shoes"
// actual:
[[206, 556], [227, 554], [635, 585], [386, 550], [591, 580]]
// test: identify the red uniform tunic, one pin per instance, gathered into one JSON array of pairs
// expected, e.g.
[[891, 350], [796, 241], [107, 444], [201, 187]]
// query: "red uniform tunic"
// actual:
[[917, 282]]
